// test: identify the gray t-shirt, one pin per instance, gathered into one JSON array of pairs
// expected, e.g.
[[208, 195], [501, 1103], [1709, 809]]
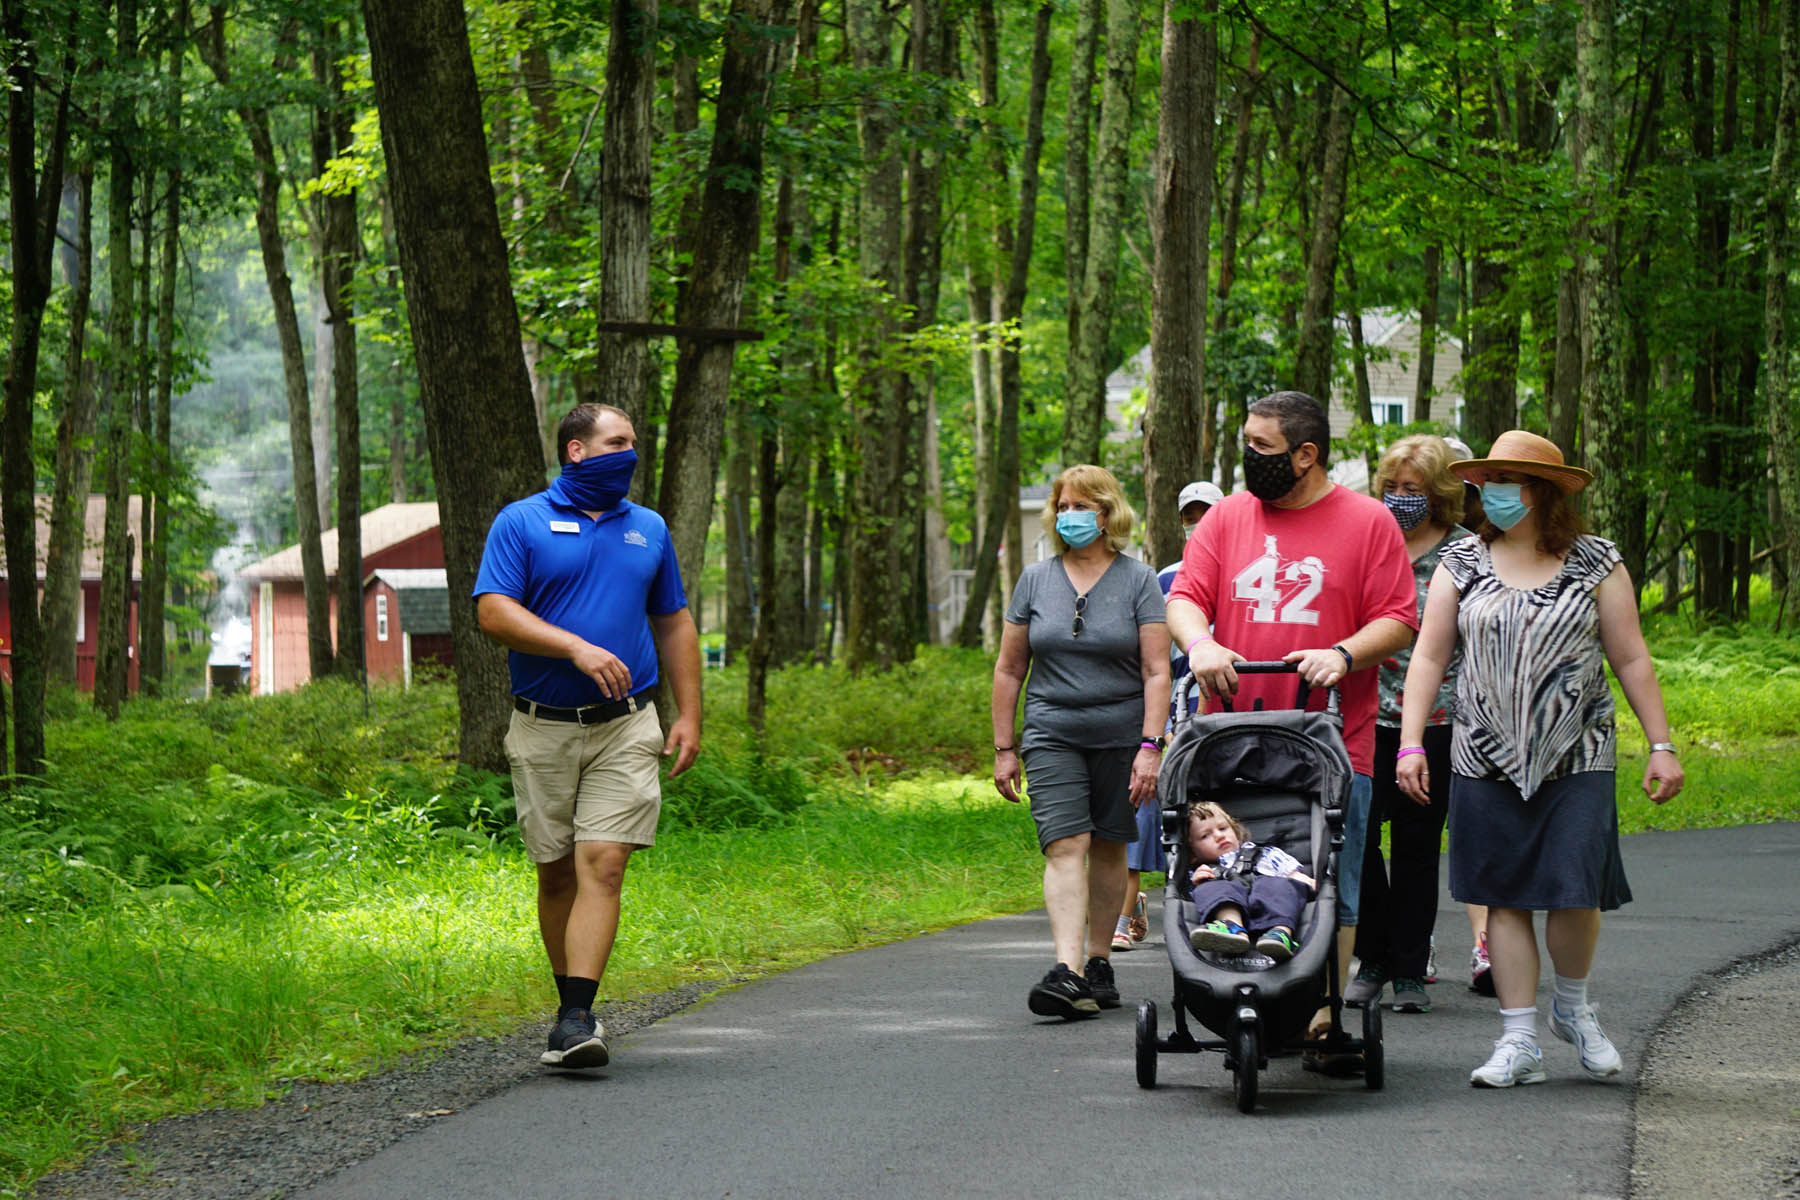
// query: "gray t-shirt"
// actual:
[[1086, 690]]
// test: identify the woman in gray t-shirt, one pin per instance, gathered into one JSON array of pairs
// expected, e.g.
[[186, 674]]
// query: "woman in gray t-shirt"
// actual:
[[1086, 642]]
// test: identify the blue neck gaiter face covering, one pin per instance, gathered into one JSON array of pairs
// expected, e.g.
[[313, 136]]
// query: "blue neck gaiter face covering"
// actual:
[[595, 484], [1504, 504], [1077, 527]]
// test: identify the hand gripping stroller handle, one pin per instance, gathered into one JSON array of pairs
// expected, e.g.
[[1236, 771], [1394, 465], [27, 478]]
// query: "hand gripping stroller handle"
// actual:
[[1185, 686]]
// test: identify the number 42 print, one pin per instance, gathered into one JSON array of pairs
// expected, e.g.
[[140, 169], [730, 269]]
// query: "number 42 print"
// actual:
[[1278, 591]]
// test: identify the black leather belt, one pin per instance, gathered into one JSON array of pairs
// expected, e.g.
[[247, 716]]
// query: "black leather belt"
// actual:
[[588, 714]]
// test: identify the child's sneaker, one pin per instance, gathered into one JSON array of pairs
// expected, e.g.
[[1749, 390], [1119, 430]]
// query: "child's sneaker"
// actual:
[[1278, 944], [1220, 937], [1580, 1028], [1516, 1059]]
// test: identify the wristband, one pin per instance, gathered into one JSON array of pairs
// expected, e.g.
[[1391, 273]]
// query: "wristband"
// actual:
[[1349, 663], [1003, 749], [1205, 637], [1406, 750]]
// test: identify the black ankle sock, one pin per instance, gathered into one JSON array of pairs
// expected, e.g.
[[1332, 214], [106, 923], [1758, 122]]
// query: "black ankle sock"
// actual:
[[560, 981], [577, 992]]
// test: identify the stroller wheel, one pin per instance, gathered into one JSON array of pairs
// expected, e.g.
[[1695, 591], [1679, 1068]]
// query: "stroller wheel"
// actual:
[[1244, 1045], [1374, 1058], [1146, 1044]]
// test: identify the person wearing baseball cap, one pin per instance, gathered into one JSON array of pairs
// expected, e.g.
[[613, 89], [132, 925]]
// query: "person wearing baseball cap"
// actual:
[[1196, 498], [1539, 608]]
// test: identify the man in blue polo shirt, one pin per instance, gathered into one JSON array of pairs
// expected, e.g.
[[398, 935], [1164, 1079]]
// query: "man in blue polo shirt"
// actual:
[[582, 587]]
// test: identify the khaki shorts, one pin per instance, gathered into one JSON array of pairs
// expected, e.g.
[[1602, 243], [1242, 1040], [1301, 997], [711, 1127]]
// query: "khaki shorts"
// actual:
[[585, 783]]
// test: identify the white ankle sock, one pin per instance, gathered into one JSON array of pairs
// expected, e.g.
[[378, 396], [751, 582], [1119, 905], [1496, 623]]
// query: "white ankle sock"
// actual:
[[1124, 926], [1571, 994], [1521, 1021]]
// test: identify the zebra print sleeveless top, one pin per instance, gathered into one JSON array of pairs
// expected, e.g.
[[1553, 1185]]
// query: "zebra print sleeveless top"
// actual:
[[1532, 701]]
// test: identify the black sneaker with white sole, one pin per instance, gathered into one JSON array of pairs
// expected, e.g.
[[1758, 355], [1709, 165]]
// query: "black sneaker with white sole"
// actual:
[[1062, 993], [1100, 981], [578, 1040]]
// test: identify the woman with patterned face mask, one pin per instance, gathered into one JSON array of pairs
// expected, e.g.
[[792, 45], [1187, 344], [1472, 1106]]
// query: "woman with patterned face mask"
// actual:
[[1087, 628], [1399, 898], [1539, 609]]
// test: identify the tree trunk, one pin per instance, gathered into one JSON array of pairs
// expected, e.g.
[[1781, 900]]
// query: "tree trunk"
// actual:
[[1428, 331], [1778, 391], [1213, 440], [1312, 353], [74, 456], [1077, 178], [622, 361], [1491, 370], [473, 388], [729, 209], [1000, 522], [1359, 365], [112, 664], [1602, 382], [342, 243], [152, 608], [1565, 394], [876, 627], [1181, 211], [34, 201], [293, 357], [740, 558], [1084, 412]]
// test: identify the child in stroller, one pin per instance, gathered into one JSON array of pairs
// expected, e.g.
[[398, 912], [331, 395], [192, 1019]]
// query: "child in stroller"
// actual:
[[1234, 876]]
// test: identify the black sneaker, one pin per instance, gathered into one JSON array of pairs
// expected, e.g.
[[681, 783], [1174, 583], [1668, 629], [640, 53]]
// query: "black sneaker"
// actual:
[[1100, 981], [1063, 993], [577, 1041]]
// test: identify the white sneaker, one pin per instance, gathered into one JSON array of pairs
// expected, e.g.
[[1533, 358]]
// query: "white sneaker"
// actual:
[[1516, 1059], [1581, 1029]]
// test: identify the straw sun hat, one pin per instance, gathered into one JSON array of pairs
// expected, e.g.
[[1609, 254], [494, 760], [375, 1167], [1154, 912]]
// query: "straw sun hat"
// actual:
[[1528, 454]]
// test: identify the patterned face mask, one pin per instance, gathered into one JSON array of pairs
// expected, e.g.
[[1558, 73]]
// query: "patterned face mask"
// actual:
[[1408, 509], [1269, 476]]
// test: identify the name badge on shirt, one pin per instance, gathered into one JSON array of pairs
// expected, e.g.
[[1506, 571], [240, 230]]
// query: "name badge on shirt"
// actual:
[[565, 527]]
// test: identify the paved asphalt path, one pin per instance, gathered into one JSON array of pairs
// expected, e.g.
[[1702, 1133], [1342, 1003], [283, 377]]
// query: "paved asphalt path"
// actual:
[[914, 1069]]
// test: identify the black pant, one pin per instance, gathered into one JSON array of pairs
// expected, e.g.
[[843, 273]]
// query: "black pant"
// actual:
[[1400, 899]]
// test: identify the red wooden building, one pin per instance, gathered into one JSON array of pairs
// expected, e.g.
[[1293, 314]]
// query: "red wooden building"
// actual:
[[88, 620], [399, 541]]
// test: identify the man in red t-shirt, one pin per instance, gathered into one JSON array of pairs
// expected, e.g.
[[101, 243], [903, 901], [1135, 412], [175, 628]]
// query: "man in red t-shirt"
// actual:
[[1305, 571]]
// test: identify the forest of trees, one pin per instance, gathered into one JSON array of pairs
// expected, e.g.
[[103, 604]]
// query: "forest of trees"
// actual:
[[859, 270]]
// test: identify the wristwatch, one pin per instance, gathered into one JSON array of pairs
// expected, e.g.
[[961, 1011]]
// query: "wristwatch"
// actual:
[[1667, 746], [1158, 743]]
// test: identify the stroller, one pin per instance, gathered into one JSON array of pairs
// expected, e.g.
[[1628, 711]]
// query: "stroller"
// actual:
[[1285, 775]]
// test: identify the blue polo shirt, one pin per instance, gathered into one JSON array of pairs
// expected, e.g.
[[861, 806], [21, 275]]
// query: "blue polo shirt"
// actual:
[[598, 579]]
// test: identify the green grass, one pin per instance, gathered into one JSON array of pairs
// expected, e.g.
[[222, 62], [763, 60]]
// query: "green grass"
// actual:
[[260, 890]]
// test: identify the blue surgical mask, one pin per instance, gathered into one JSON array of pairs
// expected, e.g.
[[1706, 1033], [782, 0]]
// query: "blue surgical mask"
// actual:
[[1077, 527], [596, 483], [1503, 504], [1408, 509]]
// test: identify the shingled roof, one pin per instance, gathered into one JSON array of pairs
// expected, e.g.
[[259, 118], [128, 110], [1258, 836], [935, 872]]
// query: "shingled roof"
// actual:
[[93, 535], [386, 526]]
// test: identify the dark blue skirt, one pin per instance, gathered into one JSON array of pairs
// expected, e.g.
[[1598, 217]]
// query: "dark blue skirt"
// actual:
[[1559, 850]]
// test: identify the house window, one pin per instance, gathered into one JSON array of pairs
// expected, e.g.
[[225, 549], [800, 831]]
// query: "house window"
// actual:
[[381, 618], [1388, 410]]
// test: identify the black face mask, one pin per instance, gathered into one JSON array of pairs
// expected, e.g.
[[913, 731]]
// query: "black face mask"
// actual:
[[1269, 476]]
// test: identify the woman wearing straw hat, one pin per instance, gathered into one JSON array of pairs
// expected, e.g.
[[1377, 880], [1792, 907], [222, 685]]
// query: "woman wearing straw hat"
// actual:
[[1535, 605]]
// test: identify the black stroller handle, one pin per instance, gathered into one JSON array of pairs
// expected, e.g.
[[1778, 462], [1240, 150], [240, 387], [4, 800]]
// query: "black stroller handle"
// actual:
[[1184, 687]]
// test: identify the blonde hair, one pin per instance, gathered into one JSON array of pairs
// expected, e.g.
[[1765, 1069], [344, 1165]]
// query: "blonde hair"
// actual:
[[1430, 456], [1099, 485], [1206, 810]]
